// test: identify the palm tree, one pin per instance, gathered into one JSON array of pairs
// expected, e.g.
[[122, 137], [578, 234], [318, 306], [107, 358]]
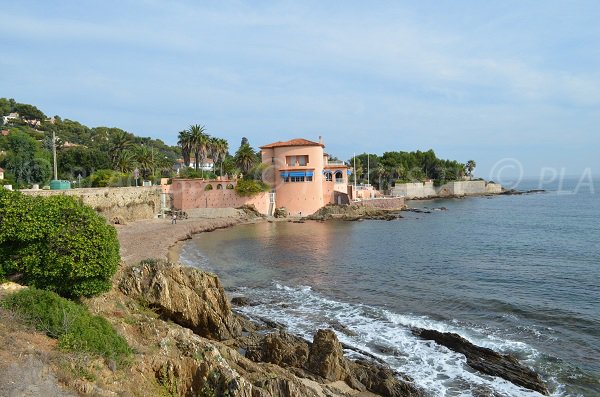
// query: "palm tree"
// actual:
[[219, 147], [380, 171], [245, 158], [199, 142], [185, 141], [119, 142], [470, 166], [125, 161], [145, 160]]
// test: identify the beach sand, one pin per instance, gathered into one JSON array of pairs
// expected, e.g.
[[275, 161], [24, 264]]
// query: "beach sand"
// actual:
[[159, 239]]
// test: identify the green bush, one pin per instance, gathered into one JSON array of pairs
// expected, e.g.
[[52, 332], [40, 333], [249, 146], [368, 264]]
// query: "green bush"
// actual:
[[75, 328], [56, 243], [109, 178], [246, 187]]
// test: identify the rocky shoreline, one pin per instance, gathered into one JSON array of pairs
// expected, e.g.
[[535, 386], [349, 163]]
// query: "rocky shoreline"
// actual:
[[188, 340]]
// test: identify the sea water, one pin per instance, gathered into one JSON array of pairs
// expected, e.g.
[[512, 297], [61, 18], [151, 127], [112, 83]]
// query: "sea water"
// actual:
[[517, 274]]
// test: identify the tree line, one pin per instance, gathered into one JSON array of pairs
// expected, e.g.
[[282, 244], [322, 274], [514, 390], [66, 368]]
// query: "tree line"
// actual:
[[401, 167], [102, 156]]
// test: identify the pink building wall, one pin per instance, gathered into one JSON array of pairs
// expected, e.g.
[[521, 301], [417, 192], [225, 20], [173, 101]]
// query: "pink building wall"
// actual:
[[300, 198], [192, 193], [303, 198]]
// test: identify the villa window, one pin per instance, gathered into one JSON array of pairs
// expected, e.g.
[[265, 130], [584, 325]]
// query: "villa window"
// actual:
[[328, 177], [297, 176], [293, 161], [339, 177]]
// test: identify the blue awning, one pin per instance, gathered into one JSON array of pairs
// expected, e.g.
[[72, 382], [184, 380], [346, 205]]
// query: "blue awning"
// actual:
[[309, 173], [297, 173], [285, 174], [349, 172], [326, 171]]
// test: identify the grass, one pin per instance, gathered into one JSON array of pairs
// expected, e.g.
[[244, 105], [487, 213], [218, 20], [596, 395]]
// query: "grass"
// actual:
[[76, 329]]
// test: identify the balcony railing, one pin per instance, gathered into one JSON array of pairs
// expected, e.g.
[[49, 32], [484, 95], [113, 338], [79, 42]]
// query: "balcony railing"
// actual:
[[335, 162]]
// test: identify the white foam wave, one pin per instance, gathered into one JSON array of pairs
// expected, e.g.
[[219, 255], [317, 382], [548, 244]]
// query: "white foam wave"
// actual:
[[387, 335]]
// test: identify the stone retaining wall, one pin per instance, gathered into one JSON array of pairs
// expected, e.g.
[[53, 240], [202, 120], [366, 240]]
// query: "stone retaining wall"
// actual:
[[451, 189], [393, 203], [117, 204]]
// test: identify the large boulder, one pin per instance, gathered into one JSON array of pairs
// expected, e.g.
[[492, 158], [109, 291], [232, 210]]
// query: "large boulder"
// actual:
[[326, 356], [280, 348], [488, 361], [184, 295], [381, 380]]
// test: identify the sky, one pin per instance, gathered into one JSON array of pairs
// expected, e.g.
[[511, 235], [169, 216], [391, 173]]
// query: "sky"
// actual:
[[514, 85]]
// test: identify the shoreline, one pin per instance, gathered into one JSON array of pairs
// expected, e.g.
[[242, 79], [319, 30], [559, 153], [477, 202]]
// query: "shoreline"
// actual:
[[159, 239]]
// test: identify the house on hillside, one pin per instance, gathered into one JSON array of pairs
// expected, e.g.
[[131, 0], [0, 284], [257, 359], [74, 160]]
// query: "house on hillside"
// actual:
[[5, 133], [205, 165], [301, 176], [11, 116], [1, 174]]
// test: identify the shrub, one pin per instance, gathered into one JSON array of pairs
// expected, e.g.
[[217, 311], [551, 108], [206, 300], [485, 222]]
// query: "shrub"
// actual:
[[75, 328], [246, 187], [56, 243], [106, 178]]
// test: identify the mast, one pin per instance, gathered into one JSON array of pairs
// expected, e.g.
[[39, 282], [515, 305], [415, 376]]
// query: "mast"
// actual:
[[368, 170], [354, 195], [54, 155]]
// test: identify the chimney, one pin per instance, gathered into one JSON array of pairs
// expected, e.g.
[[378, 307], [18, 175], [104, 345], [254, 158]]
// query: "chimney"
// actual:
[[320, 139]]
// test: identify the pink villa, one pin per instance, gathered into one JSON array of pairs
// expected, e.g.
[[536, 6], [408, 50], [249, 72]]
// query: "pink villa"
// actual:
[[301, 176]]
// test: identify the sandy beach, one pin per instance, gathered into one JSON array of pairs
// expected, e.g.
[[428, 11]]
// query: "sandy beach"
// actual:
[[159, 239]]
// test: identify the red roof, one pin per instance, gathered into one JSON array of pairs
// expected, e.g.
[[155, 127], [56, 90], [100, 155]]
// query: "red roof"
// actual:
[[292, 142]]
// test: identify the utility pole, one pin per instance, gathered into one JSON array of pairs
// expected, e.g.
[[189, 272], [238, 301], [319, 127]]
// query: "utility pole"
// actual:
[[354, 195], [54, 155], [368, 170]]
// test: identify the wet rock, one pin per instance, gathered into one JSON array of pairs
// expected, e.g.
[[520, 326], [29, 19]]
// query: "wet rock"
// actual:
[[382, 380], [326, 356], [280, 212], [280, 348], [336, 325], [488, 361], [184, 295], [240, 301]]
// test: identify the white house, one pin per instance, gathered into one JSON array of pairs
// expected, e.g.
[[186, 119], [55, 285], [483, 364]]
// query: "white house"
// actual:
[[206, 165], [1, 174], [11, 116]]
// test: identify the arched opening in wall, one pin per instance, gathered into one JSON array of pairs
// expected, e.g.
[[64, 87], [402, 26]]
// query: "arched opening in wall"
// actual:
[[328, 176], [208, 187], [230, 186], [219, 187], [188, 185], [198, 184], [339, 177]]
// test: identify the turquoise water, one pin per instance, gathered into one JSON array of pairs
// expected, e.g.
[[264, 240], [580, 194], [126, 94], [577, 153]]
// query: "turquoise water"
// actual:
[[518, 274]]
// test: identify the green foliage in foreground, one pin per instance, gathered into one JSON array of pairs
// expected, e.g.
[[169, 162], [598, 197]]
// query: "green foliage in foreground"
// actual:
[[75, 328], [56, 243], [246, 187]]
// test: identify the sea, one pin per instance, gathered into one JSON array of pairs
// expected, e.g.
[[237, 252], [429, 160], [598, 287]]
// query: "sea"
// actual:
[[519, 274]]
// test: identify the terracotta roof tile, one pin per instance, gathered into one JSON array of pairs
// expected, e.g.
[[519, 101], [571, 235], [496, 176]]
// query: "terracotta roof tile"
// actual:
[[292, 142]]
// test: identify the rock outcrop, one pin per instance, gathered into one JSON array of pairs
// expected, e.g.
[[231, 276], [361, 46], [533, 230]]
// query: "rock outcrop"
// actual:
[[488, 361], [280, 348], [184, 295], [323, 361], [326, 357], [353, 213], [280, 212]]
